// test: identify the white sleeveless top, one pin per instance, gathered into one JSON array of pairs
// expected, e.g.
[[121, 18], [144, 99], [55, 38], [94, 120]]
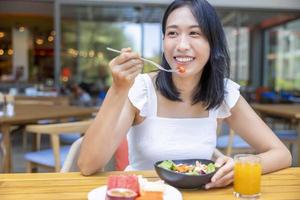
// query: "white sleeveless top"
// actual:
[[159, 138]]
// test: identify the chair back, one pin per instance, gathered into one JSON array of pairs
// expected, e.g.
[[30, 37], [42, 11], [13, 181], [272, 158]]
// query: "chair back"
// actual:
[[54, 130], [61, 128], [70, 164]]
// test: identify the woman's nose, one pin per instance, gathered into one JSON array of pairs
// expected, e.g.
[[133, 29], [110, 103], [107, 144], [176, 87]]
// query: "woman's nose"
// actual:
[[183, 44]]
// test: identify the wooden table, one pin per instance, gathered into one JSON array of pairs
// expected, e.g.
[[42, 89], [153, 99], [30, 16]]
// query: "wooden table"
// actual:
[[289, 111], [44, 100], [281, 185], [25, 114]]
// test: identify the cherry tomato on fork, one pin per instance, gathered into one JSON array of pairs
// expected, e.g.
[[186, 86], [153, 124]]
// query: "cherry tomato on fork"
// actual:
[[181, 69]]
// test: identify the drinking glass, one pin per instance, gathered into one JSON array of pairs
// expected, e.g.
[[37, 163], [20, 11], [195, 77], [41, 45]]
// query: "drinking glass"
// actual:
[[247, 176]]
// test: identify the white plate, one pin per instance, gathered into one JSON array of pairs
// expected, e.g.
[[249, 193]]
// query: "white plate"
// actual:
[[170, 193]]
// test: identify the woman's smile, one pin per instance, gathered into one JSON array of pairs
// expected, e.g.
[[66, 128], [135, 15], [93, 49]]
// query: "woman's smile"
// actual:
[[183, 60]]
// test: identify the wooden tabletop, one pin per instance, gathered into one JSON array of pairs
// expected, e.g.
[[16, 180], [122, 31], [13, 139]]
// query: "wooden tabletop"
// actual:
[[46, 100], [35, 112], [279, 110], [282, 185]]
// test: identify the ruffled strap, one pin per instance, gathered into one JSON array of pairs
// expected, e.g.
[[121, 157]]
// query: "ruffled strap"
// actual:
[[231, 97], [138, 94]]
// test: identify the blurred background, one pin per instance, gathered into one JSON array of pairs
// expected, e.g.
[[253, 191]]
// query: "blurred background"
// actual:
[[54, 45]]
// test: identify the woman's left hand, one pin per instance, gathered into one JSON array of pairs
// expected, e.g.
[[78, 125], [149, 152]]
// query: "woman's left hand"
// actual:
[[224, 176]]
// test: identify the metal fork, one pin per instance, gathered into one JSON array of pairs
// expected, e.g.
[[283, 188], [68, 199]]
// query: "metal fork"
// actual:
[[146, 60]]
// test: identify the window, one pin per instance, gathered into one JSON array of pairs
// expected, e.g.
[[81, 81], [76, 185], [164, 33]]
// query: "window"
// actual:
[[282, 51]]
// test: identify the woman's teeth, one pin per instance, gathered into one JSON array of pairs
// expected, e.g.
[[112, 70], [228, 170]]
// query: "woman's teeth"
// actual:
[[184, 59]]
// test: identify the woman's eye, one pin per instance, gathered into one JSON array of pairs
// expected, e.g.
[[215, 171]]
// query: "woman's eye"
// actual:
[[172, 33], [194, 33]]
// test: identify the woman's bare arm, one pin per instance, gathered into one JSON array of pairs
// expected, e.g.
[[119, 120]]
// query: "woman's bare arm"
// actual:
[[114, 118], [250, 127], [244, 121]]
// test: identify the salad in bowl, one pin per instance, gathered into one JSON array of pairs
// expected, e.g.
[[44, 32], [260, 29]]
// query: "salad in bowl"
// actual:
[[186, 174]]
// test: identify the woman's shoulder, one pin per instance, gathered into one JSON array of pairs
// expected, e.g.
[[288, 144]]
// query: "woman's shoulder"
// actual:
[[231, 96], [230, 85]]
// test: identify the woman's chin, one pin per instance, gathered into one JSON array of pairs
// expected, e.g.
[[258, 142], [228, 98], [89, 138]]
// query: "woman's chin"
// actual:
[[182, 74]]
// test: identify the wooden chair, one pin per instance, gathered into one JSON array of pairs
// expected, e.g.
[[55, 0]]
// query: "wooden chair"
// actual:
[[47, 101], [285, 130], [70, 164], [290, 138], [55, 157], [2, 152], [231, 144]]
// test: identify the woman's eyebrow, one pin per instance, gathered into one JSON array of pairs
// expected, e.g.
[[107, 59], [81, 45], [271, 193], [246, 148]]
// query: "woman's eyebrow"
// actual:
[[194, 26], [171, 26], [175, 26]]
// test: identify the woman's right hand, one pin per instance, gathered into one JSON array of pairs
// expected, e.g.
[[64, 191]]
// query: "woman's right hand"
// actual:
[[125, 68]]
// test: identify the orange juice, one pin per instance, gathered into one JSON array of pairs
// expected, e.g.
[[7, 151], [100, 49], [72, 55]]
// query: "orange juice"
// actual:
[[247, 175]]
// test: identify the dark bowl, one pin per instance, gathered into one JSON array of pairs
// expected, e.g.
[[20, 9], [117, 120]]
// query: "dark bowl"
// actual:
[[181, 180]]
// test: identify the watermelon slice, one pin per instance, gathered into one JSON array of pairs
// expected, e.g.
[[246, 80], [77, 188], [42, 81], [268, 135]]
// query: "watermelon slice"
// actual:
[[124, 181]]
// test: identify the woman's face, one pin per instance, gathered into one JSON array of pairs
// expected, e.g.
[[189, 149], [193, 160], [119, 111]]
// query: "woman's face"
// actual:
[[184, 43]]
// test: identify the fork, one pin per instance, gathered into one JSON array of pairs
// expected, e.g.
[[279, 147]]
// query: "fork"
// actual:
[[146, 60]]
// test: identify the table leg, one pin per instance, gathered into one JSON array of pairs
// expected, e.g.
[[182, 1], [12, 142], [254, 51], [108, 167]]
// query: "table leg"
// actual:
[[7, 163]]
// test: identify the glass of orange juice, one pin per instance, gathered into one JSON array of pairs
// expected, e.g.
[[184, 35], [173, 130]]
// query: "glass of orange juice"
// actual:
[[247, 176]]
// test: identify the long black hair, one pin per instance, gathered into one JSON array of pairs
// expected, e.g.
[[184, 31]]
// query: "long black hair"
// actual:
[[210, 88]]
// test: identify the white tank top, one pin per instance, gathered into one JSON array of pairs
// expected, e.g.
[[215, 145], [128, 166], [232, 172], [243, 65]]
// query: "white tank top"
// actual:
[[159, 138]]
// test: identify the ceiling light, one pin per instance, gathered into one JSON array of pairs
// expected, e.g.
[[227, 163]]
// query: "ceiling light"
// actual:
[[10, 52], [21, 28]]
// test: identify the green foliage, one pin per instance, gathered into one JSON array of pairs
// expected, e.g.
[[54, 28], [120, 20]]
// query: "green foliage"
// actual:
[[89, 39]]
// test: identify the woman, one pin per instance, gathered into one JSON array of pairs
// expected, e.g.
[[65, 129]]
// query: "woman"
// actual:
[[175, 115]]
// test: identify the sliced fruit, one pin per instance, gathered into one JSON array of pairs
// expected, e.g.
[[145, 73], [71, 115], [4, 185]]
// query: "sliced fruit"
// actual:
[[123, 181]]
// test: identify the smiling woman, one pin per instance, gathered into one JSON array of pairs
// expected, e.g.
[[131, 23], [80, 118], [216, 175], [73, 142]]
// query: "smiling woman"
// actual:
[[174, 116]]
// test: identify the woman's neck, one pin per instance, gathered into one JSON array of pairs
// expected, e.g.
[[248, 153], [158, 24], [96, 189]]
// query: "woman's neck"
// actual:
[[185, 86]]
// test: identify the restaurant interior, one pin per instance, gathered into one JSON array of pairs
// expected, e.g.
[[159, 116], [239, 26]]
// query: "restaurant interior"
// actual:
[[54, 72]]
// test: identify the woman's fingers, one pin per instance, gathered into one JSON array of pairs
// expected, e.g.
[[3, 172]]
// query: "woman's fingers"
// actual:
[[126, 74], [221, 160], [224, 175], [128, 49], [126, 56], [131, 63], [225, 180], [125, 68], [225, 169], [125, 78], [134, 74]]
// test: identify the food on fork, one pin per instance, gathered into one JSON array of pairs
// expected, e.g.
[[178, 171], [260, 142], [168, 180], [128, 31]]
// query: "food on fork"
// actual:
[[180, 69]]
